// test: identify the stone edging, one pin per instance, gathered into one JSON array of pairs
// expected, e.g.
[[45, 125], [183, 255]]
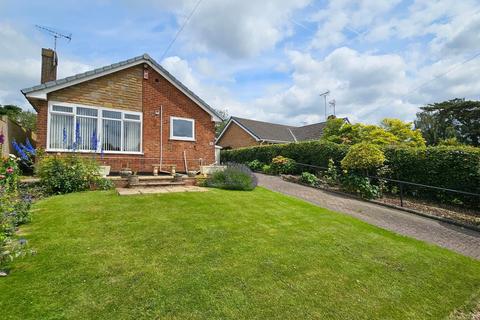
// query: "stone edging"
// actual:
[[426, 215]]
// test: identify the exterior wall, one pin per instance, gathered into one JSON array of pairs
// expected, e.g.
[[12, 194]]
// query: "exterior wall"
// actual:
[[12, 131], [236, 137], [119, 90], [156, 93]]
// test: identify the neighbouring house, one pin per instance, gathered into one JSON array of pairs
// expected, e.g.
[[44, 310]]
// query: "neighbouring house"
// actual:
[[240, 132], [131, 114], [12, 131]]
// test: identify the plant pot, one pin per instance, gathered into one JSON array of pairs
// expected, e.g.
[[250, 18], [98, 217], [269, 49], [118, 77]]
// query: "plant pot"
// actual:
[[133, 180], [125, 173], [104, 170]]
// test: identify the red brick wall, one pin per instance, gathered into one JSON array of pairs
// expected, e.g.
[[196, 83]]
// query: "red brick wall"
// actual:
[[236, 137], [156, 92]]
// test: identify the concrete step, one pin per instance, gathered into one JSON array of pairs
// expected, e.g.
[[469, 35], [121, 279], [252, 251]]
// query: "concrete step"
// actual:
[[151, 183]]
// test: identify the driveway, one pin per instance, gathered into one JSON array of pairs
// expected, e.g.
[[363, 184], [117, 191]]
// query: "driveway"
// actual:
[[461, 240]]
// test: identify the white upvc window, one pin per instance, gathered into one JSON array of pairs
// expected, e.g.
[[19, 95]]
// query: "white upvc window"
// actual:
[[182, 129], [74, 127]]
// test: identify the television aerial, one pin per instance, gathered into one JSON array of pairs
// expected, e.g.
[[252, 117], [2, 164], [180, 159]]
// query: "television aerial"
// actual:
[[55, 34]]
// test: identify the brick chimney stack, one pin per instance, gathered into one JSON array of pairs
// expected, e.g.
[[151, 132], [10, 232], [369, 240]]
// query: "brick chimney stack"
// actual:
[[49, 65]]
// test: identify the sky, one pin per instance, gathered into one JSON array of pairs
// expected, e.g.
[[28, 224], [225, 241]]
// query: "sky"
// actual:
[[267, 60]]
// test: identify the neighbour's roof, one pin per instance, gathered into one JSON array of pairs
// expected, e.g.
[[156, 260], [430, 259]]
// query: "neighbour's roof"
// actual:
[[279, 133], [85, 76]]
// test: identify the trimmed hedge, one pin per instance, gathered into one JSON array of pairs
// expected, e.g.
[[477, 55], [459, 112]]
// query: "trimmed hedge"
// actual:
[[313, 152], [447, 167]]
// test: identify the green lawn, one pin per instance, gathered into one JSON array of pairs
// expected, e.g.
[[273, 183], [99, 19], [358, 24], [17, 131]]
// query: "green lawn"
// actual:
[[225, 254]]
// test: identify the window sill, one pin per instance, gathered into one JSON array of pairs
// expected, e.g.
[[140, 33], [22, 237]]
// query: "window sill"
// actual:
[[91, 152], [182, 139]]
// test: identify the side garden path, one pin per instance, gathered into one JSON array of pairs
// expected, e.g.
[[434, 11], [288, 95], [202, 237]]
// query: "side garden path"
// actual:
[[464, 241]]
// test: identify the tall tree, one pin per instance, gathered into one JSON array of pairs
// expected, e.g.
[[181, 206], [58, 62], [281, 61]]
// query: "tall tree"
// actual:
[[221, 125], [457, 118]]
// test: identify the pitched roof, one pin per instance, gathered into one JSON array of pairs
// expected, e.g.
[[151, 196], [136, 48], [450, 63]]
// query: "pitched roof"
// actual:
[[40, 91], [278, 133]]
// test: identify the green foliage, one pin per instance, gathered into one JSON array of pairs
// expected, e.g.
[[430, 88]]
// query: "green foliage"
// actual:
[[309, 178], [457, 118], [267, 169], [282, 165], [311, 152], [255, 165], [9, 173], [26, 119], [71, 173], [332, 175], [455, 168], [450, 142], [363, 157], [219, 126], [14, 210], [359, 185], [391, 132], [234, 177]]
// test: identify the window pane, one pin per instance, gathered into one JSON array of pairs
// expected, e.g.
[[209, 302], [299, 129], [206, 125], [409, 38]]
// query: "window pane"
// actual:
[[131, 136], [111, 135], [61, 131], [182, 128], [111, 114], [62, 109], [88, 133], [87, 112], [132, 116]]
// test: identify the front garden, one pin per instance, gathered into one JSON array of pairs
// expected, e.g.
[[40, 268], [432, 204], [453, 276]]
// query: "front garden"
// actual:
[[225, 254]]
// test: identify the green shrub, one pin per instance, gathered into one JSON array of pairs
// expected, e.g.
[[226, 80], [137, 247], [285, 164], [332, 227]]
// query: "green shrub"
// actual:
[[267, 169], [282, 165], [234, 177], [72, 173], [359, 185], [363, 157], [332, 175], [255, 165], [309, 178]]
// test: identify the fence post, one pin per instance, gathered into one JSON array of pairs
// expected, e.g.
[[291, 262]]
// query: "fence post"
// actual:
[[401, 194]]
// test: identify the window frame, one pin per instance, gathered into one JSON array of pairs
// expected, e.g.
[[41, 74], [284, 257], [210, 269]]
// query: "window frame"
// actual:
[[173, 137], [99, 126]]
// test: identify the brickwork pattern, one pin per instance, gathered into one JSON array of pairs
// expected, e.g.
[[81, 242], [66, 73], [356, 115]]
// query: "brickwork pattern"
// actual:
[[236, 137]]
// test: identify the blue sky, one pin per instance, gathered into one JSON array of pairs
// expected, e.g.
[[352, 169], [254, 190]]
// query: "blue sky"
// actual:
[[265, 60]]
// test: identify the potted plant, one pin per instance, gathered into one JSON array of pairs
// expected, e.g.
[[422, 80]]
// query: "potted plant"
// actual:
[[133, 179], [104, 170]]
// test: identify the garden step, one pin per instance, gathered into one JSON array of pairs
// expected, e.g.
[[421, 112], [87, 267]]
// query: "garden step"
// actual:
[[143, 184]]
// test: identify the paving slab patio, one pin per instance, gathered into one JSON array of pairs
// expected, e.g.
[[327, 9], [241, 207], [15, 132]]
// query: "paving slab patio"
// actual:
[[162, 189]]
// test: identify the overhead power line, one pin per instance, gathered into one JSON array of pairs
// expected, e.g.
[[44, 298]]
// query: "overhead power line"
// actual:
[[181, 29]]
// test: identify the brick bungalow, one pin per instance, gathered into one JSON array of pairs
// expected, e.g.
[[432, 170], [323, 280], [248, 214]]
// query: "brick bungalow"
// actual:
[[240, 132], [129, 114]]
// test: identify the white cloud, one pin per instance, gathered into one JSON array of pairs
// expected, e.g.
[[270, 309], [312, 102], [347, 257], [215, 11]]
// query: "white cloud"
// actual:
[[20, 59], [239, 28]]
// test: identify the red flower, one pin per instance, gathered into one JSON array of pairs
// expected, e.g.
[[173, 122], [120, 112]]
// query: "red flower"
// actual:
[[9, 170]]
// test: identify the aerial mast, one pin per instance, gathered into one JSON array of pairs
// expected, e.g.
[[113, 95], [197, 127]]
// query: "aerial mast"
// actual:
[[55, 34]]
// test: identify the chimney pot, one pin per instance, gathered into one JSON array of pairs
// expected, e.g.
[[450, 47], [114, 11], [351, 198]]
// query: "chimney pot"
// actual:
[[49, 65]]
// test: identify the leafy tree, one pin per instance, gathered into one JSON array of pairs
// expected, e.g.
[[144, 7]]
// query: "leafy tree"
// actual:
[[403, 132], [391, 132], [457, 118], [221, 125], [26, 119]]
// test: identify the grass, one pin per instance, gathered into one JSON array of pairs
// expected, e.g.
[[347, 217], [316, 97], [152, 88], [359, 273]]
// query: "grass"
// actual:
[[226, 254]]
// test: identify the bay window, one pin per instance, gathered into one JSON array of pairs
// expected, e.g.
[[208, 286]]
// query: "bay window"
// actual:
[[92, 129]]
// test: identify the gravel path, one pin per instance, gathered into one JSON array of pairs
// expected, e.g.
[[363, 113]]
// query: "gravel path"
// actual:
[[458, 239]]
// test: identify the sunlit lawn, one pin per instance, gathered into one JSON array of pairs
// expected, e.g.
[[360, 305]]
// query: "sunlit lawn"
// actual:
[[225, 255]]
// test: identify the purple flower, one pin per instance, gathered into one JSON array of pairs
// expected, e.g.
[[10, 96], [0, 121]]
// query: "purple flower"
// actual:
[[2, 138], [20, 151]]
